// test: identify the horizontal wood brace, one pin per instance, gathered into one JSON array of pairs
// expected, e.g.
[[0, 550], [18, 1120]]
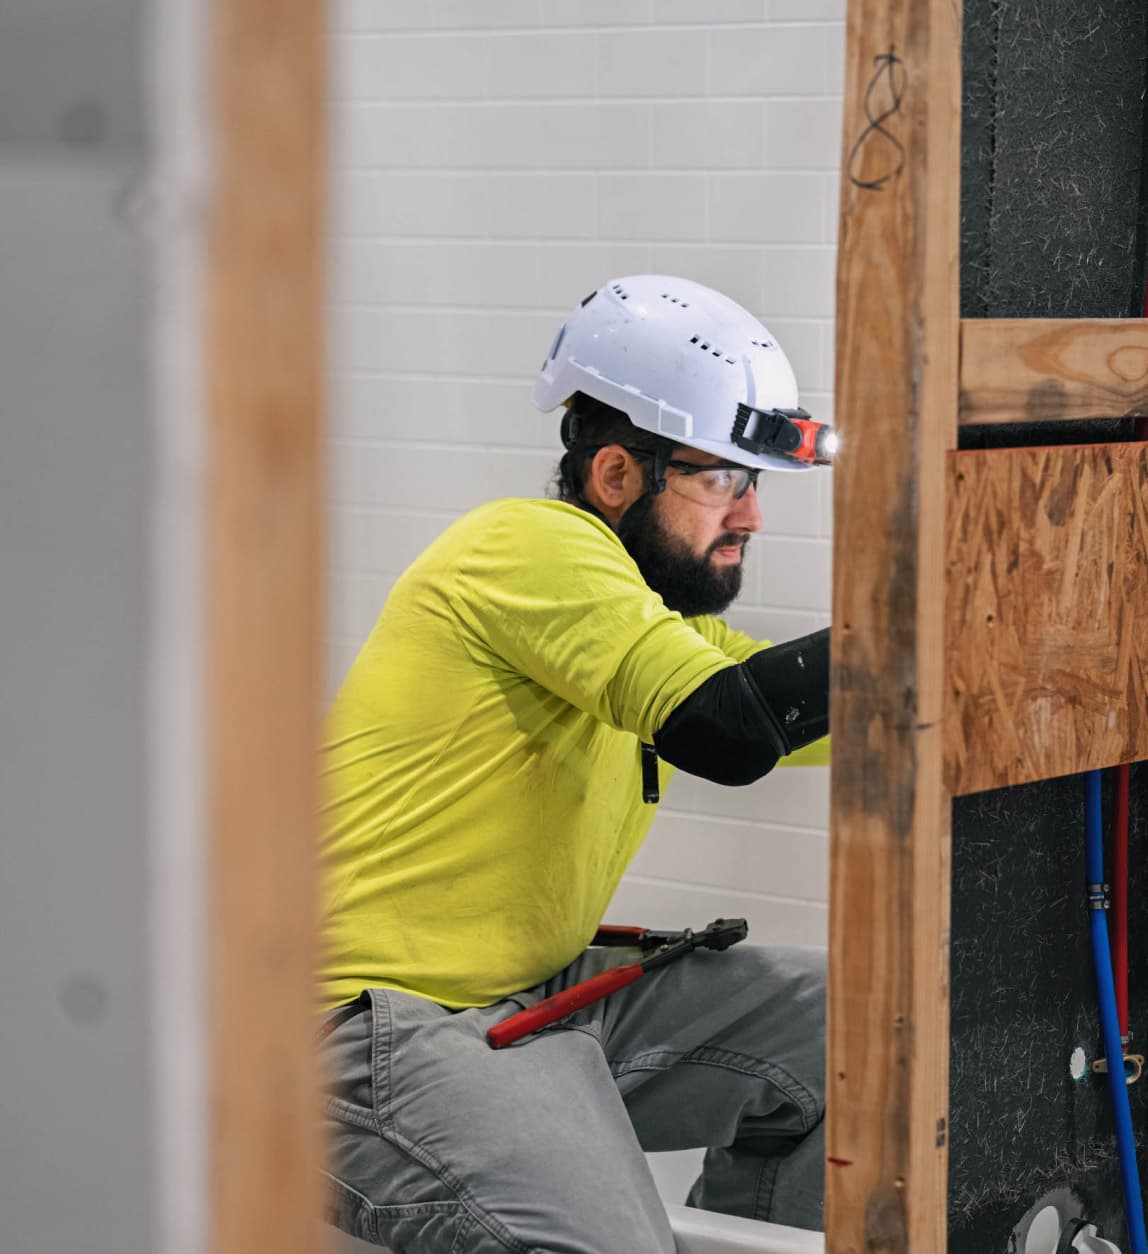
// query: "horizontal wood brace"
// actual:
[[1052, 370]]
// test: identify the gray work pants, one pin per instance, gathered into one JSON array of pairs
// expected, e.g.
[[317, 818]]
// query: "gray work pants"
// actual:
[[438, 1144]]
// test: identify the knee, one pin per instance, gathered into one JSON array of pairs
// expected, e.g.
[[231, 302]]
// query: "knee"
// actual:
[[805, 983], [787, 977], [808, 969], [792, 1009]]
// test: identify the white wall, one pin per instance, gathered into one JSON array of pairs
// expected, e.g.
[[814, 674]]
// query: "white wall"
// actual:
[[101, 1033], [76, 1107], [495, 160]]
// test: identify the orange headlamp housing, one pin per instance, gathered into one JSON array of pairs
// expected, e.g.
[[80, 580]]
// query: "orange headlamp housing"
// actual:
[[785, 433]]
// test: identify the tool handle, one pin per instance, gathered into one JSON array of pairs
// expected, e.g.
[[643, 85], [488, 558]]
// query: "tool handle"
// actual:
[[562, 1004], [619, 937]]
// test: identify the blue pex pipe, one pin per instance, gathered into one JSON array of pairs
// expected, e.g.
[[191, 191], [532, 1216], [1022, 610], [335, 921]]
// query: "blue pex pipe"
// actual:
[[1109, 1021]]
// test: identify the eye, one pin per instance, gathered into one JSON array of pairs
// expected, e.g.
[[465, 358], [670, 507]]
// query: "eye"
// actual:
[[719, 479]]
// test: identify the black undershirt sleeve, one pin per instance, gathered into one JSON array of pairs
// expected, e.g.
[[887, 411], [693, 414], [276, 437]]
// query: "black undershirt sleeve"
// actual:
[[735, 726]]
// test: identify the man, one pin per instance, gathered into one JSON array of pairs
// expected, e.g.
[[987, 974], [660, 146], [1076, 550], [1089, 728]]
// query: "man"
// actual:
[[494, 760]]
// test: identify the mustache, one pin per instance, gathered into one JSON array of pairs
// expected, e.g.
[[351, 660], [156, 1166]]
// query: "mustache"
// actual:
[[727, 541]]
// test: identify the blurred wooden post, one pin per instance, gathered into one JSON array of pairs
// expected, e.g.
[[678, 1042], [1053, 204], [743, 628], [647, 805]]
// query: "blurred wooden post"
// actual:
[[264, 368], [896, 400]]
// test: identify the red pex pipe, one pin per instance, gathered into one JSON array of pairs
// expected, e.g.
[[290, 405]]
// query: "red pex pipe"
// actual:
[[1118, 918]]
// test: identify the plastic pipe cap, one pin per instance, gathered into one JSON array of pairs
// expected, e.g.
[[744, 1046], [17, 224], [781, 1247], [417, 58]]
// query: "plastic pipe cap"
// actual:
[[1044, 1232]]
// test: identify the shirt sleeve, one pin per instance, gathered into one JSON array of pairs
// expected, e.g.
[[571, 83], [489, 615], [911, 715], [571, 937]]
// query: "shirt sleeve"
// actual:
[[548, 591], [734, 644]]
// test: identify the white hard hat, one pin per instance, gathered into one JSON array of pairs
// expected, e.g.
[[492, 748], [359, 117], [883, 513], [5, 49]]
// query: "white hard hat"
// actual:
[[686, 363]]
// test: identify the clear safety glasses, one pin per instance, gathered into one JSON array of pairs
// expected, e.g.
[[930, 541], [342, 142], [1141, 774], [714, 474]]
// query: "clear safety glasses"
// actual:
[[715, 483], [712, 485]]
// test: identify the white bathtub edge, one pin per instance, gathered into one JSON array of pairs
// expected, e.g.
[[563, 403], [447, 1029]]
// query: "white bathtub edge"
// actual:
[[704, 1232]]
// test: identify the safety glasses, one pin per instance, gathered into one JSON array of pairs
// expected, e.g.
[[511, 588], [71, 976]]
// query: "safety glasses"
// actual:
[[719, 484]]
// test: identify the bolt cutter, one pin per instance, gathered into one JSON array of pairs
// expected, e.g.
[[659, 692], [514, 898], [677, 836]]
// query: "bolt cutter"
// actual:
[[658, 949]]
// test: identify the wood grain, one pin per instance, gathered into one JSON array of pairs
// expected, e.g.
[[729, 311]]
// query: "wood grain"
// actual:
[[1044, 370], [896, 387], [1047, 630], [264, 366]]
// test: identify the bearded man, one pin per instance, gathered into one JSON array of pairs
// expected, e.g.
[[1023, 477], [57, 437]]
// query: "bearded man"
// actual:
[[495, 757]]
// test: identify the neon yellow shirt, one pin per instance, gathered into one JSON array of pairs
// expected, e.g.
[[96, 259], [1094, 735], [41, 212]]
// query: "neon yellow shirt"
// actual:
[[482, 771]]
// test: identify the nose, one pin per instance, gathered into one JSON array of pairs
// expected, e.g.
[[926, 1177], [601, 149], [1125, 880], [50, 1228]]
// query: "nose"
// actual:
[[743, 514]]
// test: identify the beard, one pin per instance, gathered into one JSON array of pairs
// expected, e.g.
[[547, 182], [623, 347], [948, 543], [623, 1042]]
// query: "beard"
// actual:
[[690, 584]]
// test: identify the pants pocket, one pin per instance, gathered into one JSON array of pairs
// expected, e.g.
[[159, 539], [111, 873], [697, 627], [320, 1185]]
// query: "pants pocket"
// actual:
[[433, 1227]]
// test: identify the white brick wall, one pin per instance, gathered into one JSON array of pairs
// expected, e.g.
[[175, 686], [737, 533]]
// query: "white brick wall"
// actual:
[[494, 160]]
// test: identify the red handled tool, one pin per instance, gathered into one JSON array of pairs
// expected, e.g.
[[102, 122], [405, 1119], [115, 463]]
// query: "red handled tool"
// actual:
[[658, 949]]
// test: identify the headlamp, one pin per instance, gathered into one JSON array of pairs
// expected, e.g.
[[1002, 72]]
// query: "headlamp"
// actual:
[[788, 433]]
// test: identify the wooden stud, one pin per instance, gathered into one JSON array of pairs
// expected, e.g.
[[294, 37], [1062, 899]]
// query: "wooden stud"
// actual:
[[1046, 635], [264, 367], [1044, 370], [896, 388]]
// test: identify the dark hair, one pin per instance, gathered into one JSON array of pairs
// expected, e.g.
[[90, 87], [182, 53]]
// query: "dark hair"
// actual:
[[587, 426]]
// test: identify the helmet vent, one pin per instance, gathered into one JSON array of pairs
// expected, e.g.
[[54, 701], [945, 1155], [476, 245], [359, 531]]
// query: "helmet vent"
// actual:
[[620, 290], [713, 352], [763, 344], [674, 300]]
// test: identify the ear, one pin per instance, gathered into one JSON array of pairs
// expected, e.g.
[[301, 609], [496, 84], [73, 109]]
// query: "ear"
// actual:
[[608, 473], [614, 481]]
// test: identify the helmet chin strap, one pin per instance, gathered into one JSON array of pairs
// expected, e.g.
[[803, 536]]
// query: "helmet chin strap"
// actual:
[[656, 485], [660, 460], [571, 423]]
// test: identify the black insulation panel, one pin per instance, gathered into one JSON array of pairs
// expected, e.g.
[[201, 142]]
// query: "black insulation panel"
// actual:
[[1052, 225], [1023, 1000], [1052, 158]]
